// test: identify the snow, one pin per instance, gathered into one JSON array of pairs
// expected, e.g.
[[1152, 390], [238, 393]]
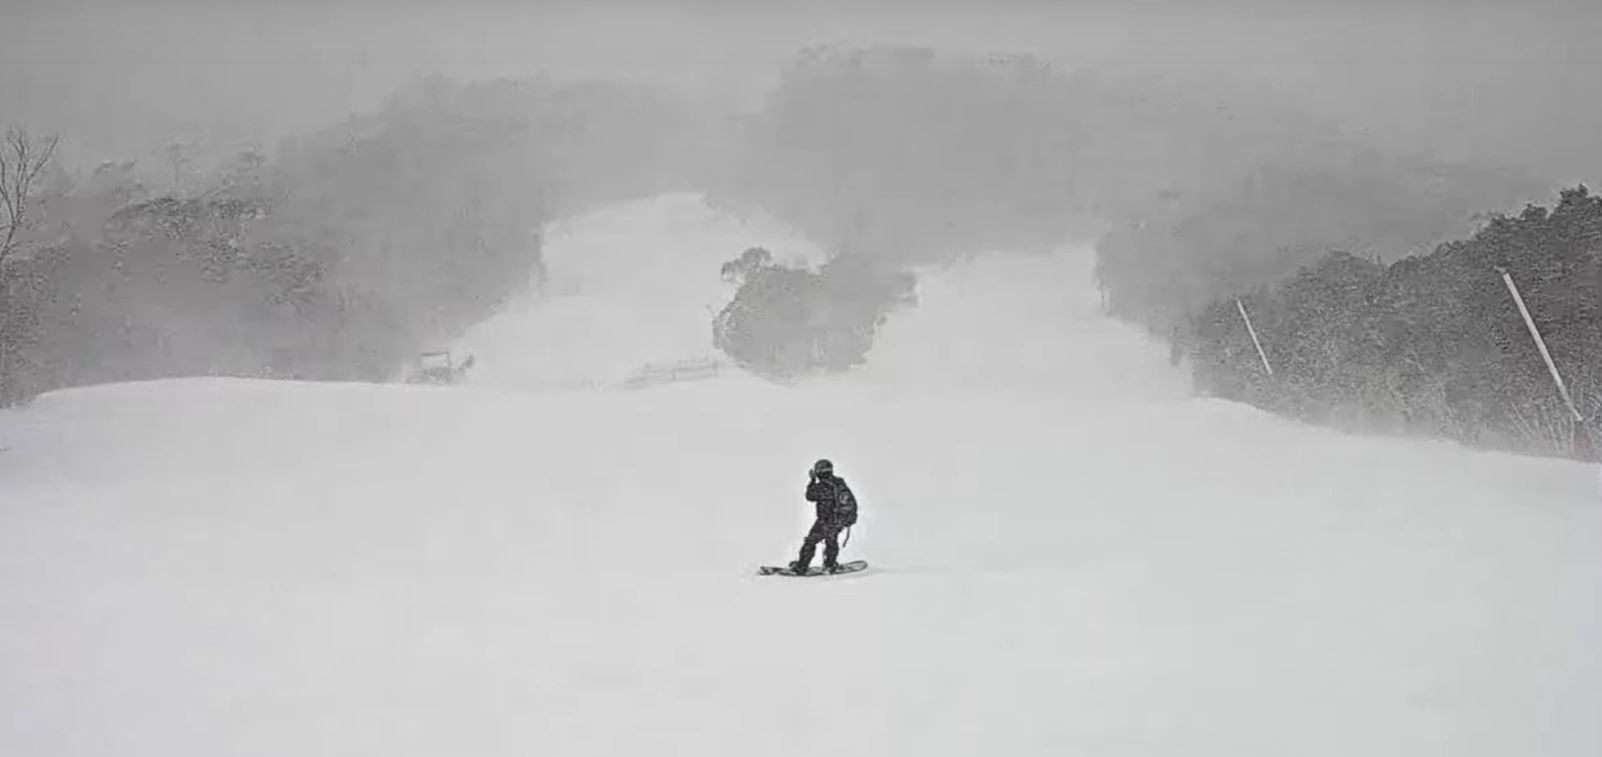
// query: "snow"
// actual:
[[1070, 555], [628, 285]]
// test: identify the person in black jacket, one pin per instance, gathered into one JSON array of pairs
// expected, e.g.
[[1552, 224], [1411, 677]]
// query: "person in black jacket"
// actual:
[[836, 509]]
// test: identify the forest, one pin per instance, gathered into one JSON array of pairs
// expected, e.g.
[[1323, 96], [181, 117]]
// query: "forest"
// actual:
[[1432, 345], [1376, 279], [338, 259]]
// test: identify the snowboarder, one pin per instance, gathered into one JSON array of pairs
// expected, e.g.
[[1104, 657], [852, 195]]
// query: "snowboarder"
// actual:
[[836, 509]]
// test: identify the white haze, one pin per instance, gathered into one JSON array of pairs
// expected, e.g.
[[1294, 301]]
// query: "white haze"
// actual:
[[1070, 553], [1498, 82]]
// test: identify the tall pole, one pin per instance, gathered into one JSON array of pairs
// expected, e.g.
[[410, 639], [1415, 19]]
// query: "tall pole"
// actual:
[[1250, 330], [1540, 344]]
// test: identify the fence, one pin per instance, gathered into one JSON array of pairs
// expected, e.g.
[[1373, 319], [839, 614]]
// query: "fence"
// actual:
[[683, 370]]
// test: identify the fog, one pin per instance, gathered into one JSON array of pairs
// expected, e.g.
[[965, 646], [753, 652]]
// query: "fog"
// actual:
[[433, 378], [1499, 82], [323, 190]]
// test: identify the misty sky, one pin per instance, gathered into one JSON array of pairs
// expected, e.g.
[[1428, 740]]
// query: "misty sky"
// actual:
[[1511, 82]]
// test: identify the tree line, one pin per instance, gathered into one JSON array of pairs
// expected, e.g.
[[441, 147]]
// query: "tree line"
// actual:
[[351, 250], [1434, 344], [898, 156], [1372, 274], [358, 244]]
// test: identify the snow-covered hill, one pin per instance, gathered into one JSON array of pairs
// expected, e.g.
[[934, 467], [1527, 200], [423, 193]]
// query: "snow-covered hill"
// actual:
[[630, 285], [1070, 555]]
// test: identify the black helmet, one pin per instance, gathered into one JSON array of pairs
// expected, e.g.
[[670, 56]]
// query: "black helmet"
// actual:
[[823, 468]]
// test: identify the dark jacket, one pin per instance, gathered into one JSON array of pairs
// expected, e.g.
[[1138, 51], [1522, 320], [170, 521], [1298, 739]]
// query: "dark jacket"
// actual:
[[828, 493]]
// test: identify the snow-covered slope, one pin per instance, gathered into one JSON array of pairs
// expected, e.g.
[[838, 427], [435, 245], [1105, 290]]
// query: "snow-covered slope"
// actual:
[[1071, 556], [629, 285]]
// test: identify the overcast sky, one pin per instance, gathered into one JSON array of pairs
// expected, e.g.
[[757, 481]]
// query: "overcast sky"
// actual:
[[1512, 82]]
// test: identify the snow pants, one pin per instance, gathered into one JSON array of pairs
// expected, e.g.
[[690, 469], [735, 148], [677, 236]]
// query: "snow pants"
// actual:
[[826, 531]]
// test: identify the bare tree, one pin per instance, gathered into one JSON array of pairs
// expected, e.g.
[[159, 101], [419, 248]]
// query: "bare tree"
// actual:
[[21, 163]]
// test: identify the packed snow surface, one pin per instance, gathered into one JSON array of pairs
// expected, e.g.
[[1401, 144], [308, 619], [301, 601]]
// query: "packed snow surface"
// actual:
[[1070, 554]]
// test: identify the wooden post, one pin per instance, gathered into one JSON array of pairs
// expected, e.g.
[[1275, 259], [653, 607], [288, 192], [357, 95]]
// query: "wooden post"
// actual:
[[1249, 329], [1540, 344]]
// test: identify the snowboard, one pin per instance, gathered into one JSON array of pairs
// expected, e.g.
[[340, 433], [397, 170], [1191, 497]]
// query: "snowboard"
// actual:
[[812, 570]]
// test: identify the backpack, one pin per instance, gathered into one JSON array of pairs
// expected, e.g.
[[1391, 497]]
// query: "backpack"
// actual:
[[845, 503]]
